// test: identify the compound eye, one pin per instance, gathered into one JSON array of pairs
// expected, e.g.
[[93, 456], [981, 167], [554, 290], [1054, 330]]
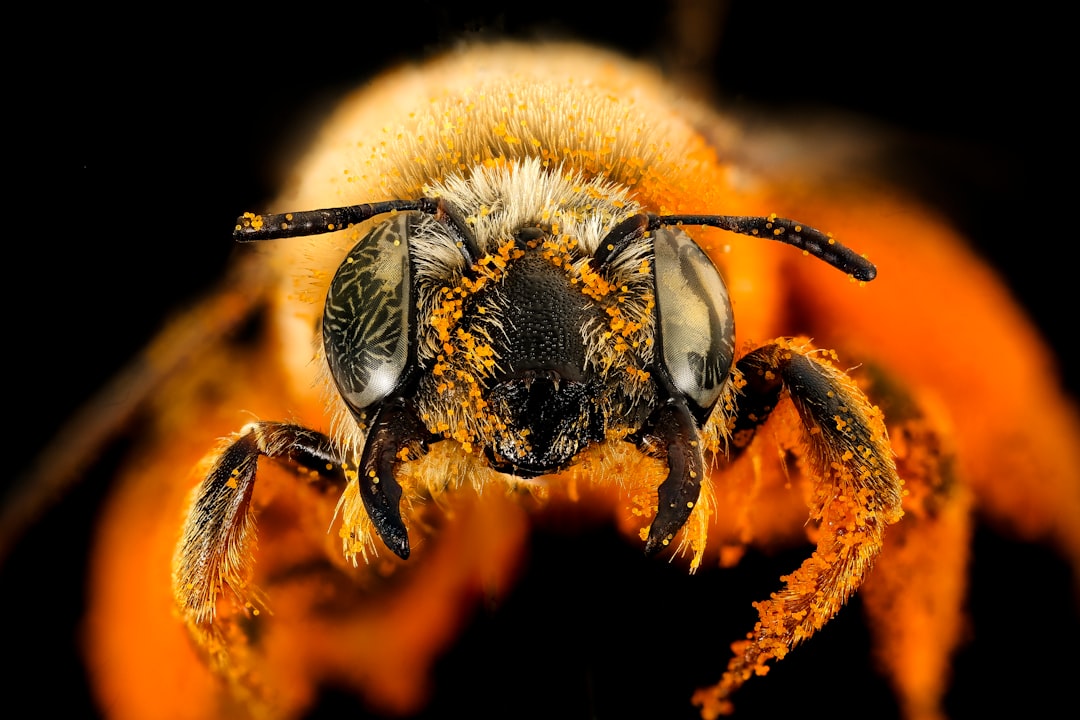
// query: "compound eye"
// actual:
[[694, 320], [366, 323]]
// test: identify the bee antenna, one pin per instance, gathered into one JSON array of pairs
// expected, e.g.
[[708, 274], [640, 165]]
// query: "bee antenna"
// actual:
[[810, 240], [251, 227]]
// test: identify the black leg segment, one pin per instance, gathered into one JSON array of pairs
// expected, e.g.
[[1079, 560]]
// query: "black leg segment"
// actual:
[[215, 550]]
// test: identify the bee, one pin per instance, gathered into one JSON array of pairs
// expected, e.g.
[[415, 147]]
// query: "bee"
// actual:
[[501, 292]]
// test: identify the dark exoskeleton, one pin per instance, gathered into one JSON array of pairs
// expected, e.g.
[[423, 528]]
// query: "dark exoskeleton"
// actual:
[[545, 387]]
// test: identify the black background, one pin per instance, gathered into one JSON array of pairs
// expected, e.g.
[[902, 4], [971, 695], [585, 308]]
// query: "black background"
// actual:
[[144, 144]]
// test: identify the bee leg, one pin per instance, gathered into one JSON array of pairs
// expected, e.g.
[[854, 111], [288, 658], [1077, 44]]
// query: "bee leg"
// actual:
[[673, 428], [396, 430], [915, 596], [856, 493], [215, 549]]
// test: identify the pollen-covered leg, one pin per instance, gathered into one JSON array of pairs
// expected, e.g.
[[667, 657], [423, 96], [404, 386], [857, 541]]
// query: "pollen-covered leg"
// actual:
[[396, 432], [673, 427], [914, 598], [215, 549], [856, 493]]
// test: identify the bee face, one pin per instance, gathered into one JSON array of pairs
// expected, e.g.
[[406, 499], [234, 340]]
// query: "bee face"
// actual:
[[534, 349]]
